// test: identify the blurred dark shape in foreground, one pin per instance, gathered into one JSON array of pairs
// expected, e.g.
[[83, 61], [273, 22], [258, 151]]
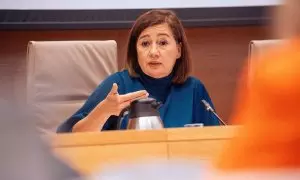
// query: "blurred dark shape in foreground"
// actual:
[[23, 154]]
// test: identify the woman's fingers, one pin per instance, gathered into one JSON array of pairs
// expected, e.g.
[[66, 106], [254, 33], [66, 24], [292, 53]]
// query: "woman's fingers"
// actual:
[[140, 97], [115, 103], [124, 105], [133, 96]]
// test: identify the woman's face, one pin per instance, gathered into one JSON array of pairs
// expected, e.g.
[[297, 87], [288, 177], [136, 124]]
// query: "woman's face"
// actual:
[[157, 51]]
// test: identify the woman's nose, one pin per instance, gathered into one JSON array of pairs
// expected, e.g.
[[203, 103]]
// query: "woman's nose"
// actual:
[[154, 52]]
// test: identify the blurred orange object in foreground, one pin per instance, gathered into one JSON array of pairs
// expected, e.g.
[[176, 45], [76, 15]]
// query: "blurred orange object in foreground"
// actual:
[[269, 111]]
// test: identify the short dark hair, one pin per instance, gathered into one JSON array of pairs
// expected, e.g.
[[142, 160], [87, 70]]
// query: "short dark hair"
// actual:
[[155, 17]]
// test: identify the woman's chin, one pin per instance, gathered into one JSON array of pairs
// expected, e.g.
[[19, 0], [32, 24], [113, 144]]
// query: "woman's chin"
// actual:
[[157, 75]]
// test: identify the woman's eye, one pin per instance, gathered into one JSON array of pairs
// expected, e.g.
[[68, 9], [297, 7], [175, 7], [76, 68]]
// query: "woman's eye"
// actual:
[[145, 43], [163, 43]]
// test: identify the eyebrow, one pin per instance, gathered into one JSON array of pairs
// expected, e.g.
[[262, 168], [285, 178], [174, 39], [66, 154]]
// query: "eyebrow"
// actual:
[[159, 34], [163, 34], [146, 35]]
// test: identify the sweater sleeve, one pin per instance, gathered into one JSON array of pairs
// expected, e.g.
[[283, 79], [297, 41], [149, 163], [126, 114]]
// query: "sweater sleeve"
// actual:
[[201, 115], [93, 100]]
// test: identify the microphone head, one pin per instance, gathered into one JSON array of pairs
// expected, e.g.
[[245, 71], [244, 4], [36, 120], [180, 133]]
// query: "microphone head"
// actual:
[[207, 106]]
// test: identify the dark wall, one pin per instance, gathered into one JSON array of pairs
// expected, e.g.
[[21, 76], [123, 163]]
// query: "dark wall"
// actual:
[[124, 18], [219, 53]]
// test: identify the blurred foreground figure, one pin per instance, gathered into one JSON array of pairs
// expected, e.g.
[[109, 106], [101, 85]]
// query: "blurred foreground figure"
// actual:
[[269, 111], [268, 144], [23, 154]]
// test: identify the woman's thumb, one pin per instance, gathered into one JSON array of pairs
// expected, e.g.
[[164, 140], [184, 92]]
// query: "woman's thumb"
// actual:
[[114, 89]]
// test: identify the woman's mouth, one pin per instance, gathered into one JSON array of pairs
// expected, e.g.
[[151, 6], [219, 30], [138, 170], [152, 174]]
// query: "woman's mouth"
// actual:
[[154, 64]]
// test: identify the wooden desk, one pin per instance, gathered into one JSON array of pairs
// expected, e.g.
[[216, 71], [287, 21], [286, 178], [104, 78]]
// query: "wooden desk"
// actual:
[[88, 152]]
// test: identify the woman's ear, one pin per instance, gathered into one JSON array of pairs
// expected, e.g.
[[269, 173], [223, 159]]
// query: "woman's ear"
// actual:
[[179, 47]]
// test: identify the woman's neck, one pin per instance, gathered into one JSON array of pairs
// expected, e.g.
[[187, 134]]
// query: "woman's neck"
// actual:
[[157, 87]]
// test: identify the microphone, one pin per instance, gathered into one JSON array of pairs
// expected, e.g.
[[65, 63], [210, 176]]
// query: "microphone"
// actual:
[[209, 108]]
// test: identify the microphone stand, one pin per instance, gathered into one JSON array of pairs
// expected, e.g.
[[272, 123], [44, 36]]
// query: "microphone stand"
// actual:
[[210, 109]]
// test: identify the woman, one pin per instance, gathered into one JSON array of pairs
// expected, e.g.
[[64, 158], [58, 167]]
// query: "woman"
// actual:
[[157, 65]]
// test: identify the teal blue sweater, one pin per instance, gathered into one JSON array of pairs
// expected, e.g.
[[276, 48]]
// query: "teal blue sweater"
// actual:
[[181, 102]]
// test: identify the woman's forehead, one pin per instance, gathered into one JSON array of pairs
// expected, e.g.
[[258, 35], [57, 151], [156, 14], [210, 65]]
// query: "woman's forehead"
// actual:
[[160, 29]]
